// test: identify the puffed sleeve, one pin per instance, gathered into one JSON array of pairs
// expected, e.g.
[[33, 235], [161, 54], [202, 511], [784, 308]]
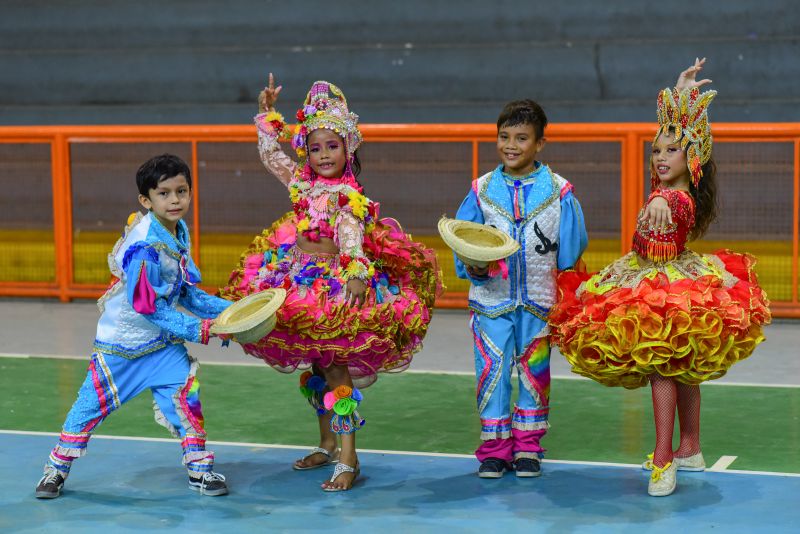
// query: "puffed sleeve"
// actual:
[[572, 240], [469, 211], [150, 295], [269, 148]]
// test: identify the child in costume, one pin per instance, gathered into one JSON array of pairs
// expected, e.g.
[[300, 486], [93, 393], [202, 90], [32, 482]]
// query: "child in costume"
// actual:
[[664, 314], [140, 334], [359, 291], [510, 301]]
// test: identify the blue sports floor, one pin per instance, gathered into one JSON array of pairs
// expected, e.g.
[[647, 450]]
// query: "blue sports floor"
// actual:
[[135, 485]]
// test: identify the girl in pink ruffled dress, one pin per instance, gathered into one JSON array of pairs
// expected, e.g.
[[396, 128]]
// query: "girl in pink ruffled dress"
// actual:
[[359, 292]]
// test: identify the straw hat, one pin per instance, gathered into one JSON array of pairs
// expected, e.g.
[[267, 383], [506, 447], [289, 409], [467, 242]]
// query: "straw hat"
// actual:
[[476, 244], [251, 318]]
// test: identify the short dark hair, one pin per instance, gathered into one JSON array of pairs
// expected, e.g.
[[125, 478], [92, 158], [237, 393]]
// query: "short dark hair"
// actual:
[[159, 168], [523, 112]]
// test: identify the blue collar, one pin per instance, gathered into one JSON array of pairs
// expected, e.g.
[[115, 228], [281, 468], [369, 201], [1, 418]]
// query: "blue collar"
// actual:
[[525, 180]]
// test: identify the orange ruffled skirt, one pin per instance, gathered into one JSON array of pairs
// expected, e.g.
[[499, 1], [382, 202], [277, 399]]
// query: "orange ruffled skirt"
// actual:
[[315, 324], [691, 318]]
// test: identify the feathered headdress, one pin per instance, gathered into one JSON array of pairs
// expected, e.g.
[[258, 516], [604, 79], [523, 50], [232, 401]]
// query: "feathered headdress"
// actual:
[[326, 107], [686, 113]]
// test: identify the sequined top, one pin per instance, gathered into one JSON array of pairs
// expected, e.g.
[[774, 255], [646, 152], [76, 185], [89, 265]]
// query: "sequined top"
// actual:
[[332, 208], [669, 242]]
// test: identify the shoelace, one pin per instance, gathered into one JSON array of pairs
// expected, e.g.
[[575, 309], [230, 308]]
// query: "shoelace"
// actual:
[[211, 476], [49, 476], [658, 471]]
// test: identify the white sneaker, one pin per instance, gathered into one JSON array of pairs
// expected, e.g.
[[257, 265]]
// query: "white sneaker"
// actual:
[[663, 480], [695, 463]]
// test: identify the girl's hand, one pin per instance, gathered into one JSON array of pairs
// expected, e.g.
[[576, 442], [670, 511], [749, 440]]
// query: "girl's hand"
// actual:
[[686, 79], [477, 272], [268, 97], [356, 291], [657, 214]]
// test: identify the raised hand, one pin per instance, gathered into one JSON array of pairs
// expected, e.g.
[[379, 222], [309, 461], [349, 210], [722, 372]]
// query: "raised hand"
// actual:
[[268, 96], [686, 79]]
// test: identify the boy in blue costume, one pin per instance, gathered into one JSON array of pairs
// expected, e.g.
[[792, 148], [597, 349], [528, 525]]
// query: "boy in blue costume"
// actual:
[[536, 207], [140, 333]]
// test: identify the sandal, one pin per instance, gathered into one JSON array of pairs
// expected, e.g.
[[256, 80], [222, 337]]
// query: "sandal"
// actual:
[[338, 470], [332, 458]]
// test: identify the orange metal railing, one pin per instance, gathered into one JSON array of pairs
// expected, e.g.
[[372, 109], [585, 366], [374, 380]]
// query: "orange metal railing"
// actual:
[[631, 137]]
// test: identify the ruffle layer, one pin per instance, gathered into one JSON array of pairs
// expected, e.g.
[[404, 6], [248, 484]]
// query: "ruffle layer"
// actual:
[[315, 325], [691, 318]]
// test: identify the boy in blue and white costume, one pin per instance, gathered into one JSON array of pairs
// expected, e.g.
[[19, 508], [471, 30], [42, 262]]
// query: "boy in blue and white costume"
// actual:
[[536, 207], [140, 333]]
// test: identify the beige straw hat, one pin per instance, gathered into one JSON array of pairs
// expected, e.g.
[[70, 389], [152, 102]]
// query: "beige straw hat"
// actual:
[[251, 318], [476, 244]]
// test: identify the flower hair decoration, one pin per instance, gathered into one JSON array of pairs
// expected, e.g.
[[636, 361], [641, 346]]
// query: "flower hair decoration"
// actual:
[[686, 113], [326, 107]]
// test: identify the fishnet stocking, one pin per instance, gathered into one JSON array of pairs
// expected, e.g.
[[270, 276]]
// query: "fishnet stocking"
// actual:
[[689, 417], [665, 397]]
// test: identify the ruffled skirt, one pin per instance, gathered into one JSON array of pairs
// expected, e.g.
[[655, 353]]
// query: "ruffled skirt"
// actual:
[[316, 325], [691, 318]]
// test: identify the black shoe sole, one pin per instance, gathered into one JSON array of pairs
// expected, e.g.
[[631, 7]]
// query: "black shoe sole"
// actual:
[[529, 474]]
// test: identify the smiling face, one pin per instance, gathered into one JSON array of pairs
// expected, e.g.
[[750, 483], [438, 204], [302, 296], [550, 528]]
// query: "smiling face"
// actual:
[[326, 153], [669, 162], [517, 147], [169, 201]]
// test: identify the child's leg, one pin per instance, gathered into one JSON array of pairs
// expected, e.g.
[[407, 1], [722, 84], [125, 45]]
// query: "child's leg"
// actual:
[[344, 424], [529, 422], [494, 351], [327, 439], [664, 401], [689, 419], [110, 382], [176, 402]]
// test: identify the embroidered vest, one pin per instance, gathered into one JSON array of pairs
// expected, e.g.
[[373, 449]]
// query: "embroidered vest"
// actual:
[[531, 279]]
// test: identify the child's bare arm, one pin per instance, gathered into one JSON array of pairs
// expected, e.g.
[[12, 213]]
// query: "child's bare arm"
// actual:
[[687, 79]]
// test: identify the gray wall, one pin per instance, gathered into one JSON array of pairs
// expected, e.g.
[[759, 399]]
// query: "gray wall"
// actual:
[[203, 61]]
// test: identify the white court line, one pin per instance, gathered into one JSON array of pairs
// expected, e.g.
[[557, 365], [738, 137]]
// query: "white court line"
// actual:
[[398, 453], [411, 371], [723, 463]]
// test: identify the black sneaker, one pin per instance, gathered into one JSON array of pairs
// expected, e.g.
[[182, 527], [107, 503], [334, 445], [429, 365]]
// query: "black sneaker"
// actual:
[[528, 467], [49, 486], [493, 468], [210, 483]]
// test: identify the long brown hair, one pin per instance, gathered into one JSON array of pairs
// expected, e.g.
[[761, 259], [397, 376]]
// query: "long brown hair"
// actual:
[[705, 200]]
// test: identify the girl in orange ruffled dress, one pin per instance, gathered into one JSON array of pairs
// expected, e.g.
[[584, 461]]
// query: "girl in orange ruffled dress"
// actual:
[[359, 292], [664, 314]]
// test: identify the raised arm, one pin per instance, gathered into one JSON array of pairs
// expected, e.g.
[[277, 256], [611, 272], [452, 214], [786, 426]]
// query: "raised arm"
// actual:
[[687, 79], [270, 125]]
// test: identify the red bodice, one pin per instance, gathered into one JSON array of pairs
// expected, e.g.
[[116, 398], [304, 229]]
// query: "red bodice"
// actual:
[[671, 241]]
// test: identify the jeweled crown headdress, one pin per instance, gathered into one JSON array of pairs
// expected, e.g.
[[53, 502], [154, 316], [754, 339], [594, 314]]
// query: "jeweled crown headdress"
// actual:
[[326, 107], [686, 113]]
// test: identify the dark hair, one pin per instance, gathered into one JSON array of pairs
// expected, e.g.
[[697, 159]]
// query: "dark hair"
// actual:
[[705, 200], [159, 168], [523, 112], [356, 164]]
